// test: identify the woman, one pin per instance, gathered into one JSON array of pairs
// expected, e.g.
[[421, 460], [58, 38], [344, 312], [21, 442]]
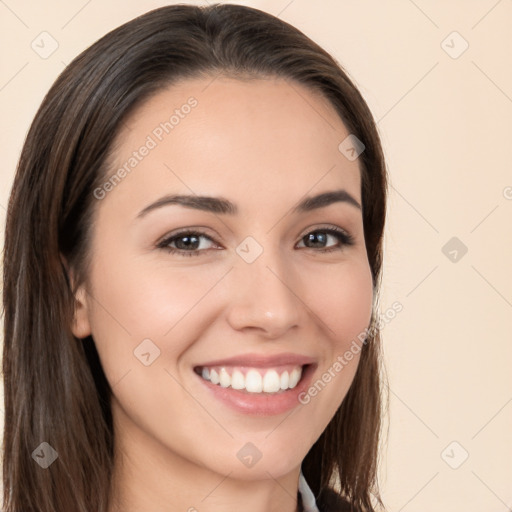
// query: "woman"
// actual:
[[138, 377]]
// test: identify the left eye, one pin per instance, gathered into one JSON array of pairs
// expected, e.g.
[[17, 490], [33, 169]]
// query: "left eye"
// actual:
[[187, 243], [321, 236]]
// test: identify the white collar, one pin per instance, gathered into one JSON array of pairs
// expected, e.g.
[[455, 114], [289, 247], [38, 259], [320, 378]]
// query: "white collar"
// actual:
[[308, 498]]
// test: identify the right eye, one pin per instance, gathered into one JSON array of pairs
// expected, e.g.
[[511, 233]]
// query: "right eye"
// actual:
[[190, 242]]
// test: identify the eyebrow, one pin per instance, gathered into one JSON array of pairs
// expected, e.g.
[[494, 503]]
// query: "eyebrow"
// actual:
[[224, 206]]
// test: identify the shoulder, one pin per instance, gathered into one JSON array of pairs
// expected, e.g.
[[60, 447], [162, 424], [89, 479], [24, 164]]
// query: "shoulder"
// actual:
[[330, 501]]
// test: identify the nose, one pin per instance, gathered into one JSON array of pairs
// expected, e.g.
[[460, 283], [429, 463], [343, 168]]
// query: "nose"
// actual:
[[263, 297]]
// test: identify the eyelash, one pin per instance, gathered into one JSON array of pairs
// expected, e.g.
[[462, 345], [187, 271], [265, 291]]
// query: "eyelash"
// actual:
[[345, 238]]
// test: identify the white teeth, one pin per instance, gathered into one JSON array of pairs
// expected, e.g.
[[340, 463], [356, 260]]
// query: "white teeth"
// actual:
[[214, 377], [271, 382], [294, 377], [285, 378], [253, 381], [238, 380], [225, 379]]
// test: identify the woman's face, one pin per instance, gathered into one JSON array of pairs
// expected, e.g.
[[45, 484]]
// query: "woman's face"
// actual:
[[250, 297]]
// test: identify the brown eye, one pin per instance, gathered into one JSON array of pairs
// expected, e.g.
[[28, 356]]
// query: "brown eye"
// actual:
[[318, 238], [187, 243]]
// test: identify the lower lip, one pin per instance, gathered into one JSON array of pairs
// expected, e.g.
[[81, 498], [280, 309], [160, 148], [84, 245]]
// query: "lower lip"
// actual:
[[262, 404]]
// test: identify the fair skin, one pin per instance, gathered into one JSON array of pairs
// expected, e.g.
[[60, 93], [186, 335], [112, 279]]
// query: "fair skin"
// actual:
[[264, 146]]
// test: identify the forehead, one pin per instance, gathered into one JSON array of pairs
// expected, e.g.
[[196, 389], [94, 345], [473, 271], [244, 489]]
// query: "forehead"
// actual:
[[233, 137]]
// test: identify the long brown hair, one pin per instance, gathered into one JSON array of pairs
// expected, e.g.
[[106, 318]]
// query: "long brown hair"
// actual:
[[54, 385]]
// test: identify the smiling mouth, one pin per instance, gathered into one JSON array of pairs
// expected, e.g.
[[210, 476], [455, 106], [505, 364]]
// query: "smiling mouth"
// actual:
[[271, 380]]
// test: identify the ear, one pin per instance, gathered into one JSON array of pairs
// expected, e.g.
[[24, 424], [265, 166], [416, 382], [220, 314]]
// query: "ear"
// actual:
[[80, 325]]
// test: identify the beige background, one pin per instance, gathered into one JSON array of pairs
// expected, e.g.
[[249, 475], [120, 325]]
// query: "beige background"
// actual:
[[445, 120]]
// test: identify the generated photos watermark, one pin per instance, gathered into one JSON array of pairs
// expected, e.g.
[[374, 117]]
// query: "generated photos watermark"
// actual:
[[156, 136], [344, 359]]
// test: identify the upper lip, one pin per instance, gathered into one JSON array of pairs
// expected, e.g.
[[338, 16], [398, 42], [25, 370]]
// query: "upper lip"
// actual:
[[261, 360]]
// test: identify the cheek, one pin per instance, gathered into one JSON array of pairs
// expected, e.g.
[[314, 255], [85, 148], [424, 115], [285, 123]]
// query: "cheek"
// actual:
[[135, 302], [343, 301], [148, 301]]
